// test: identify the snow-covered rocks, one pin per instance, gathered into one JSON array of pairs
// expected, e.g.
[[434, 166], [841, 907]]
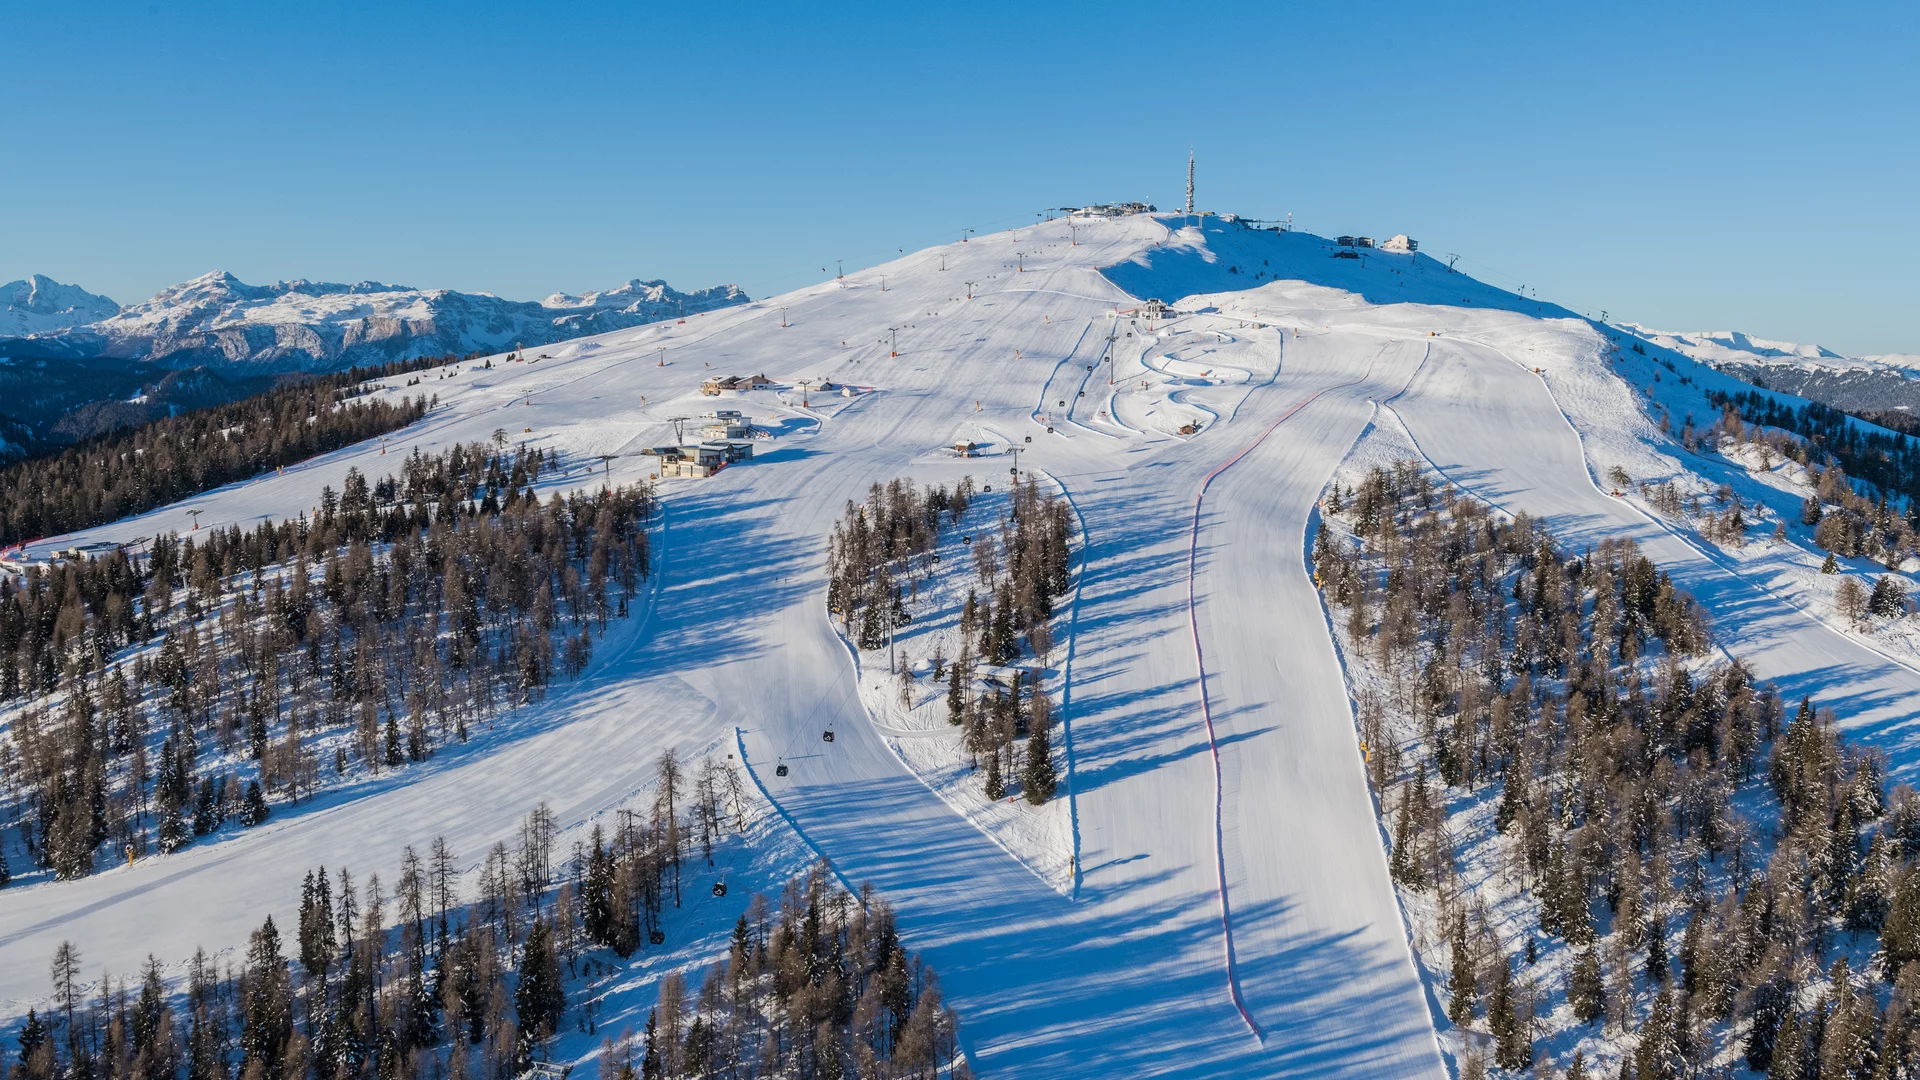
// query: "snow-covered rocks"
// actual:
[[41, 305], [300, 325]]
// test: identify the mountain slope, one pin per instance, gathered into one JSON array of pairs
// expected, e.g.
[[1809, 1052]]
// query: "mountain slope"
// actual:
[[1229, 911]]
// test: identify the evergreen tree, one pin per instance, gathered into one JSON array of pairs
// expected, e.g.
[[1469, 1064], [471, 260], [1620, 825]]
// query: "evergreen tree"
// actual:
[[956, 691], [541, 997], [1657, 951], [1038, 778], [267, 1023], [1658, 1056], [1461, 988], [256, 805], [1513, 1046], [651, 1066], [1789, 1054], [996, 786]]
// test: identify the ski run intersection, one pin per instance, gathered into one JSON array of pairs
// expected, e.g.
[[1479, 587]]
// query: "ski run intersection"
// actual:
[[1225, 908]]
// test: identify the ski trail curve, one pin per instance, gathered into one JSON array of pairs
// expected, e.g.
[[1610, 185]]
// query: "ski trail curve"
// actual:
[[1206, 709]]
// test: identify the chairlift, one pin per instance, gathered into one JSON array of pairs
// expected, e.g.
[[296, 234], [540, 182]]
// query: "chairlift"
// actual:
[[1029, 438], [719, 888], [656, 937], [986, 487], [780, 769], [968, 540], [1049, 431], [1063, 404], [827, 735]]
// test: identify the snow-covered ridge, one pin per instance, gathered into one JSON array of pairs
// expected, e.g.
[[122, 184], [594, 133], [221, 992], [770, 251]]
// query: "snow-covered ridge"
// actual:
[[41, 305], [218, 320], [1852, 383], [1731, 347]]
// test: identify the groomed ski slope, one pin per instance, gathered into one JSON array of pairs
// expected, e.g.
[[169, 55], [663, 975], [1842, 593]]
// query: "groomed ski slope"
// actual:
[[1249, 777]]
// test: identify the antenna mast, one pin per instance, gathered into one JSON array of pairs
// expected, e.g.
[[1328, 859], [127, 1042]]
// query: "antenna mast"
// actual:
[[1189, 179]]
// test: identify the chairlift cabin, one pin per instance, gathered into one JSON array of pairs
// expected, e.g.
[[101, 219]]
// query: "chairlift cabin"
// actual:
[[827, 735], [780, 770], [657, 937], [719, 888]]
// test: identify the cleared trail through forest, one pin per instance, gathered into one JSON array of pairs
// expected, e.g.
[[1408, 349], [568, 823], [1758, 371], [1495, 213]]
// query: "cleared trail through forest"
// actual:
[[1494, 429]]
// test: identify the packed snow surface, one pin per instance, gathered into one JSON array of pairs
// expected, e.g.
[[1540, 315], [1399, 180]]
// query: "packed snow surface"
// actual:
[[1225, 908]]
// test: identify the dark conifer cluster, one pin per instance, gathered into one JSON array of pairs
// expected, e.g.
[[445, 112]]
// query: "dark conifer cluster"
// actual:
[[117, 475], [420, 982], [1022, 575], [880, 544], [821, 987], [169, 693], [1698, 867], [1888, 460], [1023, 567]]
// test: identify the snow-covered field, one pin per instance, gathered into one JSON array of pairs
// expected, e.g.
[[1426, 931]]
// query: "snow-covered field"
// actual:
[[1231, 913]]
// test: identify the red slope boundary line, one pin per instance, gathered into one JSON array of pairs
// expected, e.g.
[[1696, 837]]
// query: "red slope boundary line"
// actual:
[[1206, 710]]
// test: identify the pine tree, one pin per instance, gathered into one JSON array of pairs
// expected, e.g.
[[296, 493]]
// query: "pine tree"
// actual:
[[651, 1067], [956, 693], [395, 753], [1831, 565], [1657, 951], [316, 924], [256, 805], [1586, 989], [541, 996], [1404, 864], [1038, 779], [1789, 1055], [1657, 1056], [1513, 1046], [996, 786], [267, 1022], [1461, 987]]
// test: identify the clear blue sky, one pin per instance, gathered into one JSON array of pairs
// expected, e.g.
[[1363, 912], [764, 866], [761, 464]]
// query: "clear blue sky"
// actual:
[[1745, 166]]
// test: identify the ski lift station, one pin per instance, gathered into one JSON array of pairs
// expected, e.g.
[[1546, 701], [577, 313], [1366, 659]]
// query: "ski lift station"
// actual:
[[715, 386], [727, 424], [701, 460]]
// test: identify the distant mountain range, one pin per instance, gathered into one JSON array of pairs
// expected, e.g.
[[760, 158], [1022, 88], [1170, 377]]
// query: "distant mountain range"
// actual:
[[74, 363], [217, 320], [1851, 383], [41, 305]]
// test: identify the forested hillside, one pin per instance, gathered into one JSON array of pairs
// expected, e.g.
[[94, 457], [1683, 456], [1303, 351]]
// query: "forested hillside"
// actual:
[[117, 475], [427, 979], [157, 697], [1609, 835]]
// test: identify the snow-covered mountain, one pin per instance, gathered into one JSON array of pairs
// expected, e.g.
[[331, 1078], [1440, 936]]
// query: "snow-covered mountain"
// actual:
[[1881, 381], [41, 305], [218, 320]]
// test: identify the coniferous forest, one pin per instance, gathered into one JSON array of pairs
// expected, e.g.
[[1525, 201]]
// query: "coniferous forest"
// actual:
[[163, 695], [882, 552], [117, 475], [425, 980], [1604, 825]]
